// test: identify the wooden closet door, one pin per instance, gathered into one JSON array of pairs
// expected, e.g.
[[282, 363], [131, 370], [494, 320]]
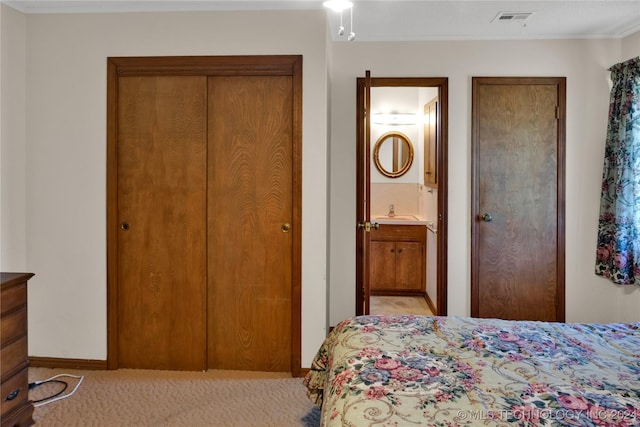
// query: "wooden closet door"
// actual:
[[250, 212], [161, 201]]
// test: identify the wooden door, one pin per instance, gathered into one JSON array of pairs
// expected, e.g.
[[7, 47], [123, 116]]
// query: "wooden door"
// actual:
[[518, 198], [363, 161], [161, 200], [251, 211], [204, 212], [363, 184]]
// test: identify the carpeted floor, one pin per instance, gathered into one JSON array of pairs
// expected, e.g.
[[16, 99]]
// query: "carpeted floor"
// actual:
[[129, 397]]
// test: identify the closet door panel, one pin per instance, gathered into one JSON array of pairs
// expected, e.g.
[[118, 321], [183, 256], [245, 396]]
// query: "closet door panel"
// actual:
[[161, 157], [518, 179], [249, 212]]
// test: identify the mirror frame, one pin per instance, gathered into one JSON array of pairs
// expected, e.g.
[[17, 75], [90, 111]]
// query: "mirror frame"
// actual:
[[376, 154]]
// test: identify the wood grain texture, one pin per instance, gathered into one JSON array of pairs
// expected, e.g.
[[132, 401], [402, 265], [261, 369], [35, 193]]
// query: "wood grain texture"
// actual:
[[249, 200], [410, 261], [383, 266], [15, 407], [161, 161], [516, 261], [121, 68], [398, 260]]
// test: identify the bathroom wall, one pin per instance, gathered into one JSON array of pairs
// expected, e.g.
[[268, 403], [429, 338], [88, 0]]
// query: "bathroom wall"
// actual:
[[405, 197], [406, 193], [429, 203]]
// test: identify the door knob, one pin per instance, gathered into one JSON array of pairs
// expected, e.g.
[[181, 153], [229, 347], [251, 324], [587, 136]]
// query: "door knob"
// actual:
[[286, 227], [124, 226], [367, 226], [486, 217]]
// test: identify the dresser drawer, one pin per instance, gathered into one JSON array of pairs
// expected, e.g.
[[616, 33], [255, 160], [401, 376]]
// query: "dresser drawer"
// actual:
[[14, 392], [14, 325], [13, 297], [13, 357], [16, 410]]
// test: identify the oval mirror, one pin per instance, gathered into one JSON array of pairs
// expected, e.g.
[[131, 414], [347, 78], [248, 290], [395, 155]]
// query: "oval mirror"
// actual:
[[393, 154]]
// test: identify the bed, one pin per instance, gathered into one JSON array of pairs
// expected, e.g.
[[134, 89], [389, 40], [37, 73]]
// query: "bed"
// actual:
[[405, 370]]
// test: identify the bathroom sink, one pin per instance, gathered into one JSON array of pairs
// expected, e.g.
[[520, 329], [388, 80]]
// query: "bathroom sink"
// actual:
[[398, 218]]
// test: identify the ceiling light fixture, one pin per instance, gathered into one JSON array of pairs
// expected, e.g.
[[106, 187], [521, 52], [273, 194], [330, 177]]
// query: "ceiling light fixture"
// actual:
[[339, 6]]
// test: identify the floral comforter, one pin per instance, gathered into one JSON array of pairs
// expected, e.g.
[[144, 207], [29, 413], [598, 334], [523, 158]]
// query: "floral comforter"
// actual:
[[450, 371]]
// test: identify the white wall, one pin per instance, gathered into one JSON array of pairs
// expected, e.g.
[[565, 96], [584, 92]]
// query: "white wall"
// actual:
[[66, 140], [583, 62], [13, 171], [53, 208], [399, 100], [630, 46]]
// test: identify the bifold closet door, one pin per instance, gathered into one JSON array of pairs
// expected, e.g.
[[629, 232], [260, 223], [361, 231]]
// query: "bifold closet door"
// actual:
[[249, 222], [162, 174]]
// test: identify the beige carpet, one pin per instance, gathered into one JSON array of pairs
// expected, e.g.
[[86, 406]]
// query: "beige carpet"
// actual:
[[129, 397]]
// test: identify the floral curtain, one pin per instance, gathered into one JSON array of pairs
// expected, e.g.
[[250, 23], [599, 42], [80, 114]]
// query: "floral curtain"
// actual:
[[618, 254]]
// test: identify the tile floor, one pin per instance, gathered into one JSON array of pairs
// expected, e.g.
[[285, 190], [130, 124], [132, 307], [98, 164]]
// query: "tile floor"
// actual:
[[398, 305]]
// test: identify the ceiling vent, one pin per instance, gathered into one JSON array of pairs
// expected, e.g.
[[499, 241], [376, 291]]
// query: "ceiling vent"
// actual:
[[511, 16]]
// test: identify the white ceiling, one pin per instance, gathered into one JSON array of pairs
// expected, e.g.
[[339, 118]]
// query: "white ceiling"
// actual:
[[413, 20]]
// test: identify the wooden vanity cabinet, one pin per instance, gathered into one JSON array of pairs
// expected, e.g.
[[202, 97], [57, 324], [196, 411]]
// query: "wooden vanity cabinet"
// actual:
[[15, 407], [398, 261]]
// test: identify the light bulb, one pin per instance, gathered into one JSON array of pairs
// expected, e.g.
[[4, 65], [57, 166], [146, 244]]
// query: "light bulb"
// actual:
[[341, 31], [338, 5], [352, 36]]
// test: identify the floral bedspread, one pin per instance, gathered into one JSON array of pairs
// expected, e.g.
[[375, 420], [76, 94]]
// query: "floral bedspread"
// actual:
[[449, 371]]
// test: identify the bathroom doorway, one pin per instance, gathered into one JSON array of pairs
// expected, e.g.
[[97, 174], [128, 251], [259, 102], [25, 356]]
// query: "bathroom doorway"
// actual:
[[402, 196]]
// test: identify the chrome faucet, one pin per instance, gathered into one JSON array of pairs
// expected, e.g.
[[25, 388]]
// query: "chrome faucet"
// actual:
[[392, 211]]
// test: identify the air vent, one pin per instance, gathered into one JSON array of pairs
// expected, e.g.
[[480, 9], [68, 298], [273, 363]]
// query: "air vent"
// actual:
[[512, 16]]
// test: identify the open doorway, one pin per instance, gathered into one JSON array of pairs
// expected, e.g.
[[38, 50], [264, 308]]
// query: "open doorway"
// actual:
[[402, 196]]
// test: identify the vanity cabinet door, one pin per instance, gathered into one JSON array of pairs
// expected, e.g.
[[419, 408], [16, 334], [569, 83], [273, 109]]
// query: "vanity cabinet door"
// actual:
[[409, 265], [383, 262]]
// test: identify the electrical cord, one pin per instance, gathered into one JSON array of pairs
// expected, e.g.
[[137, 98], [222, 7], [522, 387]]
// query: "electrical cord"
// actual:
[[34, 385], [56, 396]]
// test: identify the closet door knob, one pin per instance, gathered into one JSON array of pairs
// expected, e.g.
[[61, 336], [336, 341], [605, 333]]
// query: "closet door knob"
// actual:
[[486, 217], [286, 227], [124, 226]]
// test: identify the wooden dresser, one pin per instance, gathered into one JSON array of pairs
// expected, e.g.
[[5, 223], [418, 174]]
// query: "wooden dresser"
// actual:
[[16, 408]]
